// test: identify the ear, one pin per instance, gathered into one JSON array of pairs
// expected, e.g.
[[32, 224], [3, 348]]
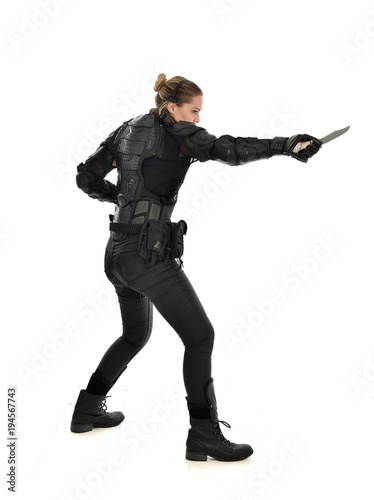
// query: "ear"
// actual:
[[171, 107]]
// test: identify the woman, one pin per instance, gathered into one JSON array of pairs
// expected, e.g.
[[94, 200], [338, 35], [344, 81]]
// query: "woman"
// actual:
[[152, 153]]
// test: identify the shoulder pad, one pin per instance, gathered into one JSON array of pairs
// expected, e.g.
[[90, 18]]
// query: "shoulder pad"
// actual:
[[201, 136], [147, 120], [114, 136], [105, 141], [108, 142]]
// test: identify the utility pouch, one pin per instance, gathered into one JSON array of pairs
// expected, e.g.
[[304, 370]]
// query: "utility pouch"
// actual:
[[178, 230], [154, 240]]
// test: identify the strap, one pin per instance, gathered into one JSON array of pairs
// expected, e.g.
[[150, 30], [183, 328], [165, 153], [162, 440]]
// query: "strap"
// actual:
[[173, 97], [277, 144], [119, 227]]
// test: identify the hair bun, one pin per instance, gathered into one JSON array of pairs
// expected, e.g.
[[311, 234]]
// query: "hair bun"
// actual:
[[160, 82]]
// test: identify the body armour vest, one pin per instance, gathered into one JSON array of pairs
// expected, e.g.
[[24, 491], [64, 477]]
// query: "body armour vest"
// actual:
[[138, 139]]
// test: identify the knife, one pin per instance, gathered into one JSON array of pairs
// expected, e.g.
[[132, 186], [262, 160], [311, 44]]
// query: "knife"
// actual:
[[334, 135]]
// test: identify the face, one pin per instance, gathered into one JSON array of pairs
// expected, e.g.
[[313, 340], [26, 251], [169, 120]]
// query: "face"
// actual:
[[188, 112]]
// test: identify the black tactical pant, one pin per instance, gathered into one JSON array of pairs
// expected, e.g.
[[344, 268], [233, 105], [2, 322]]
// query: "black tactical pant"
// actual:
[[139, 285]]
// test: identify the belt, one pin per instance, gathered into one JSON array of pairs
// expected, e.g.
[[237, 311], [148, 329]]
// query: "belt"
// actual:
[[119, 227]]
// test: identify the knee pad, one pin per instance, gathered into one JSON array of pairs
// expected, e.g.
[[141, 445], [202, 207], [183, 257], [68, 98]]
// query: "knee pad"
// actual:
[[137, 320], [209, 341], [205, 344]]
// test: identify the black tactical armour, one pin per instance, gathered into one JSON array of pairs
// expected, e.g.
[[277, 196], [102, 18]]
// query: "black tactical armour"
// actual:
[[141, 142]]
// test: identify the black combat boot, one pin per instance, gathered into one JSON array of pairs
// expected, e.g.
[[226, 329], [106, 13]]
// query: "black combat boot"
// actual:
[[205, 436], [90, 411]]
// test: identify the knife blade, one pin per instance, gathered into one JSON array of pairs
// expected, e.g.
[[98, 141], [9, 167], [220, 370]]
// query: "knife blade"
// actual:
[[334, 135]]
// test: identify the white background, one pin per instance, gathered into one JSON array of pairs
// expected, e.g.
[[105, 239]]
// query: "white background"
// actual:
[[75, 70]]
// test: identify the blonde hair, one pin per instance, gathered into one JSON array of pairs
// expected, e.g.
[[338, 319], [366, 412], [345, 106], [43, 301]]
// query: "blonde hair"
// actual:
[[165, 89]]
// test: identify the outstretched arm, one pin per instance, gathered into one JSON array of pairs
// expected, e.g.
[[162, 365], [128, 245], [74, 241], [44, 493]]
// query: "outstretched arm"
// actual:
[[238, 150]]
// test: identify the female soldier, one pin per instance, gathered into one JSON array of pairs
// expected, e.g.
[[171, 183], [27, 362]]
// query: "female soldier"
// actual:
[[153, 153]]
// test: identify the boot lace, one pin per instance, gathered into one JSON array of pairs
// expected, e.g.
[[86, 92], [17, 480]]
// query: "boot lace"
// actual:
[[103, 406], [218, 431]]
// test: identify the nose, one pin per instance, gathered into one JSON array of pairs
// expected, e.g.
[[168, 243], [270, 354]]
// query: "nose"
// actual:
[[197, 119]]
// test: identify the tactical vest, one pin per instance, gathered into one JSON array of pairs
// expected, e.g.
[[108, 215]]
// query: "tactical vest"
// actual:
[[137, 139]]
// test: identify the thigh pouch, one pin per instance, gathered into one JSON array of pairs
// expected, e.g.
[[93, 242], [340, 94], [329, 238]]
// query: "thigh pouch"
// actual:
[[160, 240]]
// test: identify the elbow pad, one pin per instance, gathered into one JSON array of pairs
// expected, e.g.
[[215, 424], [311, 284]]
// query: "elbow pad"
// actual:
[[84, 179], [99, 189], [200, 144]]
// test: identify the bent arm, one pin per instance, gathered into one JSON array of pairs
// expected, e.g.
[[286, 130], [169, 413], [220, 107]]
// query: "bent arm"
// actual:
[[90, 176]]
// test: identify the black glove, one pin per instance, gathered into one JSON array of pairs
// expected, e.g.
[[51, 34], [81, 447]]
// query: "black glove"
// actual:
[[302, 152]]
